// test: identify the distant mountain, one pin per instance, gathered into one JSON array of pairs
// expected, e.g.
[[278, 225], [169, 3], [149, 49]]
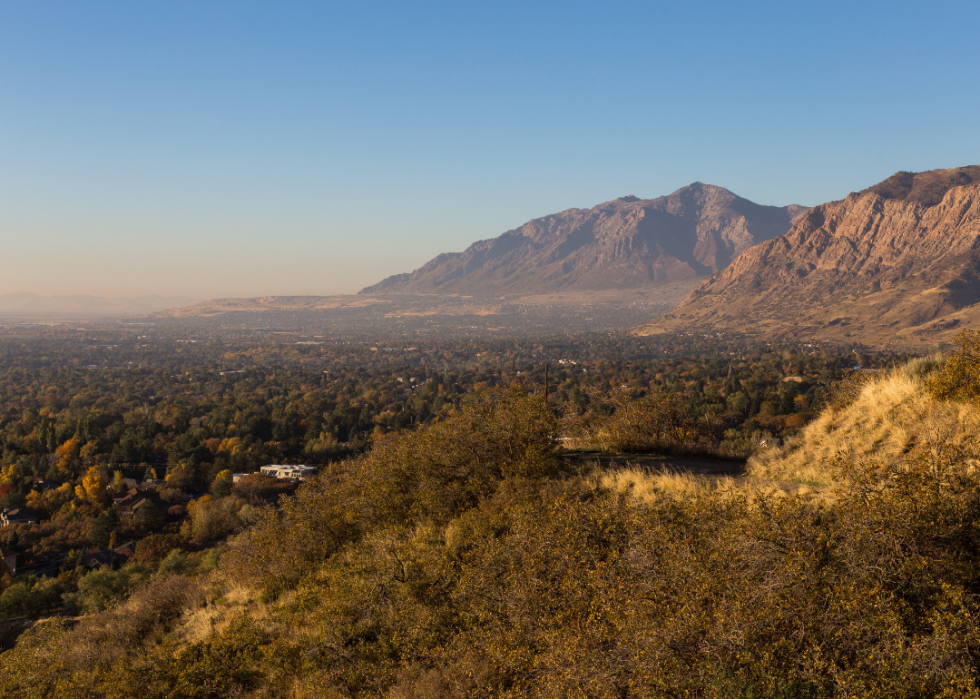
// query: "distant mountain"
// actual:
[[84, 305], [624, 243], [897, 263]]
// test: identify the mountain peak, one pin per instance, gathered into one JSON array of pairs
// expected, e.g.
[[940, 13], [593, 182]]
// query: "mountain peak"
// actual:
[[624, 243], [903, 273]]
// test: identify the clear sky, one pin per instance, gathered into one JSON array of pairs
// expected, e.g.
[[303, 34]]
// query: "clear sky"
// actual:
[[249, 148]]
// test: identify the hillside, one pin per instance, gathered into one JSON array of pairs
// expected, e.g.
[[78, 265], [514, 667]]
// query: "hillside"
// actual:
[[898, 263], [624, 243], [468, 559]]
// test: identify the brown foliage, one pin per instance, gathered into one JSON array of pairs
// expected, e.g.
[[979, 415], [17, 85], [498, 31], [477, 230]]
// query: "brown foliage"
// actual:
[[57, 659], [958, 377], [150, 550], [257, 488]]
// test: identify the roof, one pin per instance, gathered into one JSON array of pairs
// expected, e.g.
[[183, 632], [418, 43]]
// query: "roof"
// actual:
[[128, 549], [96, 557]]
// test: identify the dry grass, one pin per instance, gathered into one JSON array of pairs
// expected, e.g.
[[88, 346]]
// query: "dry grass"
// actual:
[[223, 605], [890, 415], [647, 486]]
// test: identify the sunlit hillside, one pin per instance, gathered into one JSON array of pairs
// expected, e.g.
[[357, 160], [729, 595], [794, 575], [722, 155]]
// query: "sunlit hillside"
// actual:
[[470, 558], [885, 419]]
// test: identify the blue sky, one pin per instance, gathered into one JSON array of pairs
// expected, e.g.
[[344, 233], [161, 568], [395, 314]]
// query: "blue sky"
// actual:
[[244, 148]]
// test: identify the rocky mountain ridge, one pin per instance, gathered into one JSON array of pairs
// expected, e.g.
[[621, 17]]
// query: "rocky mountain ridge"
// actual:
[[624, 243], [896, 263]]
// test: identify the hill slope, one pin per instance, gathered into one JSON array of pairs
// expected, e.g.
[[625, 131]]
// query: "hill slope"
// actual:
[[898, 262], [624, 243]]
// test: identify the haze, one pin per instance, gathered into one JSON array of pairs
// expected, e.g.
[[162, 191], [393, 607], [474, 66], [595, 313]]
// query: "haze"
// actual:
[[244, 149]]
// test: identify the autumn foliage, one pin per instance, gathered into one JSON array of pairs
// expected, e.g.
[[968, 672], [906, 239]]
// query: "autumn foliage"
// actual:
[[467, 559]]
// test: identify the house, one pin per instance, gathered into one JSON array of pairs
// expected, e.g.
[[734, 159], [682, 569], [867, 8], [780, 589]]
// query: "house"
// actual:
[[16, 516], [293, 473], [128, 484], [126, 494], [10, 558], [97, 558], [127, 550], [133, 499]]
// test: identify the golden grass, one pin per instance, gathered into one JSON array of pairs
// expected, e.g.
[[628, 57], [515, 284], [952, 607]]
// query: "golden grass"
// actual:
[[890, 415], [647, 486], [213, 617]]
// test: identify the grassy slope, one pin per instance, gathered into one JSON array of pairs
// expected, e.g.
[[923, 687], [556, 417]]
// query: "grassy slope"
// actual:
[[890, 416]]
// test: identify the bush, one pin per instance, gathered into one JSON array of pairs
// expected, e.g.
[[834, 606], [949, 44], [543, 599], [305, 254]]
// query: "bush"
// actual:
[[177, 562], [152, 549], [432, 474], [958, 376], [257, 488], [101, 589], [32, 594]]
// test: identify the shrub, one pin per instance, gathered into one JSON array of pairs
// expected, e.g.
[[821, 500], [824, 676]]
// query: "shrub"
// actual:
[[958, 376], [32, 594], [432, 474], [101, 589], [177, 562], [257, 487], [152, 549]]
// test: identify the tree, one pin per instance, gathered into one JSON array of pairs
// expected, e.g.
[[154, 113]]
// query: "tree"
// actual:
[[103, 528], [149, 515], [93, 486], [63, 457], [221, 487]]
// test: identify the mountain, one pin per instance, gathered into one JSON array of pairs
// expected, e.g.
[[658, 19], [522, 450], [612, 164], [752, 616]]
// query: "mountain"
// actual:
[[84, 305], [897, 263], [624, 243]]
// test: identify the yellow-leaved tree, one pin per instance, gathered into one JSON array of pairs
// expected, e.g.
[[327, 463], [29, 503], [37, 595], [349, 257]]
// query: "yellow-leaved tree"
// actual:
[[93, 486], [64, 455]]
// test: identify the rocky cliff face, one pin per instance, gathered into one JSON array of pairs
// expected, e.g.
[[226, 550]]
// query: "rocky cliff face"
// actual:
[[624, 243], [898, 261]]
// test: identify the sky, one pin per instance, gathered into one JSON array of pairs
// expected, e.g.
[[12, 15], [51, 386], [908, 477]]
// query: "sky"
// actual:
[[217, 149]]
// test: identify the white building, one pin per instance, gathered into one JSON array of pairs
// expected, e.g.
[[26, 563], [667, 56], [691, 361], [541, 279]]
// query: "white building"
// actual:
[[290, 472]]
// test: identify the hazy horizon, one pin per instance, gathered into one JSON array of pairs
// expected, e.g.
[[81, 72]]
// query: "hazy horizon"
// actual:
[[246, 149]]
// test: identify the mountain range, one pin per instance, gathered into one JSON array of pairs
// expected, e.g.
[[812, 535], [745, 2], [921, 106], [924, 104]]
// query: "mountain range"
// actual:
[[624, 243], [898, 262]]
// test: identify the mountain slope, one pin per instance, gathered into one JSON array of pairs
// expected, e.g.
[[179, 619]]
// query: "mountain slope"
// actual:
[[899, 261], [624, 243]]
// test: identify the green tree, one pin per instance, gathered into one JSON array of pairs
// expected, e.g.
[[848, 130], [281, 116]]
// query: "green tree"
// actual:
[[221, 486], [149, 515], [103, 527]]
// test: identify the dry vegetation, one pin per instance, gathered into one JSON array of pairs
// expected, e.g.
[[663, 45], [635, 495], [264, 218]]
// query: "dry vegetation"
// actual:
[[464, 560], [886, 418]]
